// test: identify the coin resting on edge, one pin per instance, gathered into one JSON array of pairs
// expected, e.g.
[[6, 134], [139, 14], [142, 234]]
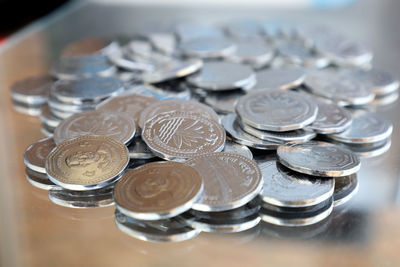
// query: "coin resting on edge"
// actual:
[[118, 126], [276, 110], [176, 135], [230, 181], [35, 154], [319, 159], [158, 190], [331, 118], [87, 162]]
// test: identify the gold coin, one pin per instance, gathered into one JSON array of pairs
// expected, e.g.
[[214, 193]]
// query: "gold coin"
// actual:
[[87, 162]]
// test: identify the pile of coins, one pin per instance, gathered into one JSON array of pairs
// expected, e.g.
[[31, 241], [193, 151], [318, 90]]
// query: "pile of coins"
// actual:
[[164, 125]]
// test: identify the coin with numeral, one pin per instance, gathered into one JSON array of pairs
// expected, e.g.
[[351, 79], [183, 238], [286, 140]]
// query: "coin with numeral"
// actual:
[[35, 154]]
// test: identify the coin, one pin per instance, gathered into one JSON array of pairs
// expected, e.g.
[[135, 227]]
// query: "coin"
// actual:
[[367, 127], [256, 53], [32, 90], [218, 76], [286, 188], [223, 102], [38, 179], [159, 93], [87, 162], [121, 59], [345, 188], [319, 159], [158, 190], [276, 110], [46, 132], [82, 199], [331, 119], [89, 46], [188, 106], [47, 118], [370, 150], [139, 150], [384, 100], [230, 181], [382, 82], [26, 109], [118, 126], [206, 47], [163, 42], [241, 137], [279, 78], [89, 90], [191, 30], [233, 147], [168, 230], [35, 154], [63, 107], [177, 135]]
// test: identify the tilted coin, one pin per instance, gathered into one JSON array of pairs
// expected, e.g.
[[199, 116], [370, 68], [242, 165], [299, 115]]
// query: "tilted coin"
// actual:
[[279, 78], [177, 135], [382, 82], [87, 162], [286, 188], [168, 230], [38, 179], [256, 53], [218, 76], [367, 127], [139, 150], [121, 59], [276, 110], [159, 93], [205, 47], [370, 150], [230, 181], [35, 154], [233, 147], [188, 106], [345, 188], [89, 46], [241, 137], [118, 126], [158, 190], [47, 118], [319, 159], [32, 90], [223, 102]]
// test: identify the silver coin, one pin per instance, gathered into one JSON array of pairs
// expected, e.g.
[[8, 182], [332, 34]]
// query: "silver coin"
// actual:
[[139, 150], [319, 159], [121, 59], [206, 48], [345, 188], [331, 119], [90, 90], [190, 30], [24, 109], [276, 110], [46, 132], [32, 90], [233, 147], [56, 104], [246, 29], [286, 188], [367, 127], [230, 181], [382, 82], [339, 87], [371, 151], [223, 102], [384, 100], [256, 53], [169, 230], [39, 180], [79, 199], [89, 46], [158, 92], [241, 137], [163, 41], [35, 154], [61, 115], [47, 118], [218, 76], [279, 78]]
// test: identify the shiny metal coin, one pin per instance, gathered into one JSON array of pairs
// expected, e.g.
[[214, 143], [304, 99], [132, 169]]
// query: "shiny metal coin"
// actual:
[[90, 90], [319, 159], [172, 105], [139, 150], [163, 41], [47, 118], [60, 114], [384, 100], [87, 162], [287, 78], [119, 126], [276, 110], [230, 181], [241, 137], [39, 180], [205, 47], [256, 53], [191, 30], [169, 230], [25, 109], [58, 105], [218, 76], [121, 59], [331, 119], [345, 188], [236, 148], [286, 188], [178, 135], [159, 93], [35, 154], [223, 102], [370, 151], [78, 199], [246, 29], [382, 82], [89, 46], [158, 190], [339, 87], [367, 127], [46, 132], [33, 90]]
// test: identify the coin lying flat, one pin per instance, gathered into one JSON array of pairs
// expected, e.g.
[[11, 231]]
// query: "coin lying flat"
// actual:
[[276, 110], [319, 159], [223, 102], [168, 230], [367, 127], [230, 181], [382, 82], [38, 179], [256, 53], [118, 126], [89, 46], [245, 29], [188, 106], [87, 162], [190, 30], [35, 154], [47, 118], [218, 76], [82, 199], [370, 150], [331, 119], [159, 93], [233, 147], [384, 100], [33, 90], [205, 47], [177, 135], [279, 78], [286, 188], [158, 190], [345, 188], [139, 150]]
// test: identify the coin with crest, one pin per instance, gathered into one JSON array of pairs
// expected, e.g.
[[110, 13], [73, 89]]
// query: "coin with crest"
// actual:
[[331, 119], [35, 154]]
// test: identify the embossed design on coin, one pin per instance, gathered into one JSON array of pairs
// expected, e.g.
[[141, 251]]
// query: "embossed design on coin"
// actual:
[[230, 180], [319, 159], [178, 134], [87, 162], [331, 118], [158, 190], [35, 155], [118, 126], [233, 147], [276, 110]]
